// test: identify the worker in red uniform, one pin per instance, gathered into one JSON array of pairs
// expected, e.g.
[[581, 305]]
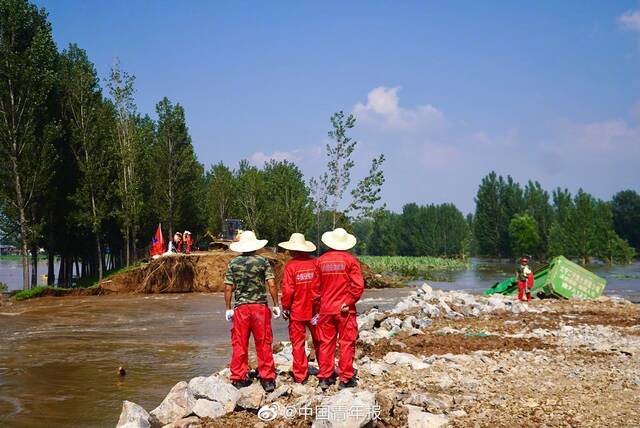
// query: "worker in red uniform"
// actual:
[[187, 242], [300, 283], [341, 286], [247, 280], [524, 276]]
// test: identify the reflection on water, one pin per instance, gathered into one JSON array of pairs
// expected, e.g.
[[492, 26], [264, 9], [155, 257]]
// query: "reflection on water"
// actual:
[[59, 357], [11, 274]]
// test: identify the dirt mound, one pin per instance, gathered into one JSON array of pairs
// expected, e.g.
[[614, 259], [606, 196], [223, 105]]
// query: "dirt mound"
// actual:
[[182, 273], [197, 272]]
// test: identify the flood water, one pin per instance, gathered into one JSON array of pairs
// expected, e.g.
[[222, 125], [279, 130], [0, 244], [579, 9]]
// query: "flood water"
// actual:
[[623, 281], [59, 356], [11, 272]]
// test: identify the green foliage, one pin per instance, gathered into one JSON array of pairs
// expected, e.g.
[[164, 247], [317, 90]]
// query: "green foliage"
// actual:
[[338, 175], [583, 229], [429, 230], [523, 231], [3, 287], [221, 196], [411, 267], [497, 201], [29, 294], [287, 206], [626, 216], [178, 177], [367, 193], [27, 77]]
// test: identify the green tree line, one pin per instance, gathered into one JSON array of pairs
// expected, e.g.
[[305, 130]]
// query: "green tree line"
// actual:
[[511, 220], [88, 177]]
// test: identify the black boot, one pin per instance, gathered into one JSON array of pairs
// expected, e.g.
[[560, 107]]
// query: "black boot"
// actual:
[[268, 385], [351, 383], [241, 383], [326, 383]]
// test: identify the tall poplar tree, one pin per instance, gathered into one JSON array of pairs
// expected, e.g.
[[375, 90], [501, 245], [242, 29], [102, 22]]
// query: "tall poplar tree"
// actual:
[[121, 89], [27, 74], [87, 117]]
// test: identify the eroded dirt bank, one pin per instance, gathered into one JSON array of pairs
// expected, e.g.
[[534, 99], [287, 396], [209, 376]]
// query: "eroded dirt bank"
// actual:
[[181, 273]]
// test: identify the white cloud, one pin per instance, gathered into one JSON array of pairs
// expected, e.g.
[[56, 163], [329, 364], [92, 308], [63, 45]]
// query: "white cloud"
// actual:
[[383, 108], [259, 158], [630, 20]]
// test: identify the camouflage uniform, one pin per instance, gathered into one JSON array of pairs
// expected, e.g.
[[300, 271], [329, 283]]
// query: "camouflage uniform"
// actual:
[[248, 274]]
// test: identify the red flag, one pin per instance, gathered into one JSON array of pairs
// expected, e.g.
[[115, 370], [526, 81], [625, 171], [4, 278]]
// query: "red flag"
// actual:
[[157, 242]]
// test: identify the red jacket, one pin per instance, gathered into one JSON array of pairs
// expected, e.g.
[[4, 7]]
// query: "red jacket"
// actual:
[[341, 281], [300, 283]]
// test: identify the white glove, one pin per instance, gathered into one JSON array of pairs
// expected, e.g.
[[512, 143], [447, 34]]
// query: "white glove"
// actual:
[[228, 314], [276, 312], [314, 320]]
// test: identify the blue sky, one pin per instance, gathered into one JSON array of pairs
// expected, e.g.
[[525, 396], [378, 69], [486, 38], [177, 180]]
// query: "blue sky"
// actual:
[[449, 91]]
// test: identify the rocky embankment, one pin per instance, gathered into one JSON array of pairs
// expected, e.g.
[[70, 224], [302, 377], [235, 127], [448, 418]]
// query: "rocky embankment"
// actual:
[[445, 359]]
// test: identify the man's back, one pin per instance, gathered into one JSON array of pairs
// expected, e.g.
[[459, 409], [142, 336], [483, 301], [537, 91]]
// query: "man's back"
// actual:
[[300, 284], [341, 281], [248, 273]]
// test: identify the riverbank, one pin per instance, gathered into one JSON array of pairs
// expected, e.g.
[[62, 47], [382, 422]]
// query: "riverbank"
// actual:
[[442, 358], [199, 272]]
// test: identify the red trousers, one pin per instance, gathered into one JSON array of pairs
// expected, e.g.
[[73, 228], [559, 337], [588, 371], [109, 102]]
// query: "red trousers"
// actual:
[[252, 318], [337, 329], [522, 287], [298, 336]]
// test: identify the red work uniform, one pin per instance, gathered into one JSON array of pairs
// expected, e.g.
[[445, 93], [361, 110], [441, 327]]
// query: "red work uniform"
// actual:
[[300, 283], [341, 282], [525, 282]]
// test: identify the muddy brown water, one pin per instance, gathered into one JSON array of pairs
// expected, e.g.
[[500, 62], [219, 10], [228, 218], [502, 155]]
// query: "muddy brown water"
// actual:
[[59, 356]]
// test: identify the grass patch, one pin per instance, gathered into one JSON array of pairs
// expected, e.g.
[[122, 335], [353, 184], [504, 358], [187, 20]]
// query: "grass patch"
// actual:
[[29, 294], [413, 267]]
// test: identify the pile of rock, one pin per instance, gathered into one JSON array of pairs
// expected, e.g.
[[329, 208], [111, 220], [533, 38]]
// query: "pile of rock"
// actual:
[[401, 389], [418, 310]]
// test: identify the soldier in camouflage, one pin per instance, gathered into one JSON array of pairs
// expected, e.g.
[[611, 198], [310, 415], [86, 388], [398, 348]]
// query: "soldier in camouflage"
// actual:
[[246, 281]]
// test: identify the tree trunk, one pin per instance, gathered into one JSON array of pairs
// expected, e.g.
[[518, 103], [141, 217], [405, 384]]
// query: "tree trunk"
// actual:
[[99, 254], [51, 272], [34, 266], [127, 247]]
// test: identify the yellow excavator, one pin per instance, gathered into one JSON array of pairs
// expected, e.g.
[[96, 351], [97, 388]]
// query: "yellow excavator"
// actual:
[[221, 241]]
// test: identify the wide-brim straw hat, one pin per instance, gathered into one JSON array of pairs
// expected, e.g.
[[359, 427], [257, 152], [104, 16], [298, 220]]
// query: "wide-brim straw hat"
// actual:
[[297, 242], [247, 243], [339, 239]]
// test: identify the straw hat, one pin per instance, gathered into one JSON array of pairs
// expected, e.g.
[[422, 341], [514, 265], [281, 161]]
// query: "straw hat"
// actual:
[[339, 239], [247, 243], [297, 242]]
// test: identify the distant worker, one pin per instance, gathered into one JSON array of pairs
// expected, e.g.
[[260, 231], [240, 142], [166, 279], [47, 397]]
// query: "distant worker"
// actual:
[[175, 246], [245, 281], [341, 286], [300, 283], [186, 242], [524, 276]]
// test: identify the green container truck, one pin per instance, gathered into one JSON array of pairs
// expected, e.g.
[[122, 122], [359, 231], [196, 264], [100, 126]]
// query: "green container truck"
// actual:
[[561, 278]]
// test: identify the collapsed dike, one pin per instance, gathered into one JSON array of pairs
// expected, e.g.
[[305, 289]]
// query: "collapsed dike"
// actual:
[[440, 359], [199, 272]]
